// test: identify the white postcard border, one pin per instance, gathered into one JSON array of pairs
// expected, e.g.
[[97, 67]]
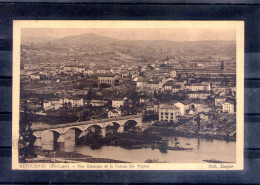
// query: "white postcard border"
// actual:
[[237, 25]]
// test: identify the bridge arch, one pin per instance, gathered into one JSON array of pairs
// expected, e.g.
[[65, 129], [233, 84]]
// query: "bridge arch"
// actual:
[[112, 123], [52, 130], [92, 125], [36, 135], [71, 135], [73, 127], [130, 124], [93, 131], [169, 79], [112, 127], [49, 139]]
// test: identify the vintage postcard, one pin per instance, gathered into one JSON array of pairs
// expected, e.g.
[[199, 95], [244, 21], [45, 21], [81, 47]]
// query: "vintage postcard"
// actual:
[[128, 95]]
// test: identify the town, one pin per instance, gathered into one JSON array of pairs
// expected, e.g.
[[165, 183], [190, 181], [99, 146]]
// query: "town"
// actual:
[[193, 95]]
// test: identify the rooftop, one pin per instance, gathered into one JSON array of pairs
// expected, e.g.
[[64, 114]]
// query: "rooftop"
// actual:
[[197, 92], [229, 102], [103, 68], [118, 99], [168, 106], [171, 82], [70, 66], [176, 86], [153, 82], [196, 84], [96, 101], [107, 75]]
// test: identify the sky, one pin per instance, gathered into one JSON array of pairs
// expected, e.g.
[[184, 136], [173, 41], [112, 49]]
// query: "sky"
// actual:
[[173, 34]]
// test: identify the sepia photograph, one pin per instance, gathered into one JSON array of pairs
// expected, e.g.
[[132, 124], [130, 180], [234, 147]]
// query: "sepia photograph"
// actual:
[[128, 95]]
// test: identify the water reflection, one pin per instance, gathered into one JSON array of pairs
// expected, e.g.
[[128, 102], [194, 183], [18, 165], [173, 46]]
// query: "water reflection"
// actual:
[[198, 147], [202, 150]]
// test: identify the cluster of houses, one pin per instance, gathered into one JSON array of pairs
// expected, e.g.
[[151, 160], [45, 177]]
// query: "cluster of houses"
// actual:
[[57, 103], [167, 112], [147, 79], [172, 112]]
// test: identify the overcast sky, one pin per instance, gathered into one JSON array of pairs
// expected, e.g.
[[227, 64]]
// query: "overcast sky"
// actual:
[[176, 34]]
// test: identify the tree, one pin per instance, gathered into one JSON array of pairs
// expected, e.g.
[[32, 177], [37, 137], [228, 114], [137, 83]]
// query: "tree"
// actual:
[[116, 82], [70, 105], [90, 94], [81, 87], [197, 119], [26, 139], [133, 95], [155, 94]]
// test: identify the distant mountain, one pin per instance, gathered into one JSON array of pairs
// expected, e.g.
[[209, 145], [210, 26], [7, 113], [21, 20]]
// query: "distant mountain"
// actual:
[[36, 40], [84, 39], [98, 48]]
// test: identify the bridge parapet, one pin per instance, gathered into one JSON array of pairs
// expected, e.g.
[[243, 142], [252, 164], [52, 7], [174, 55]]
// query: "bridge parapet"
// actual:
[[106, 120]]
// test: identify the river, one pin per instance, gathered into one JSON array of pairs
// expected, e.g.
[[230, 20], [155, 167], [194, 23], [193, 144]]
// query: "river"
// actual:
[[202, 150]]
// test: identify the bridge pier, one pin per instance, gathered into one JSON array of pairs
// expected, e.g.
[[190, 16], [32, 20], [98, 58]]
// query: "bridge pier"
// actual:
[[121, 129], [38, 142], [139, 122], [103, 132], [69, 136], [82, 134], [61, 139]]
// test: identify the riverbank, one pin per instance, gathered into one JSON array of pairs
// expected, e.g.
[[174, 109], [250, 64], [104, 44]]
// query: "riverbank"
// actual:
[[170, 131], [47, 156], [171, 151]]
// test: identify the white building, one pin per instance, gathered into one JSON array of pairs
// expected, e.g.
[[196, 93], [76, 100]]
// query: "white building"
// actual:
[[176, 88], [74, 102], [169, 113], [181, 83], [89, 72], [114, 113], [106, 79], [80, 69], [57, 103], [103, 70], [219, 101], [183, 107], [144, 100], [141, 84], [117, 103], [173, 74], [228, 107], [198, 87], [98, 103], [153, 85], [168, 85], [70, 68], [46, 104], [35, 76]]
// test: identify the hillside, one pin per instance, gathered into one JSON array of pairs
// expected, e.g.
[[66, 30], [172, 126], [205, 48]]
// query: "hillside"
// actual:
[[96, 48]]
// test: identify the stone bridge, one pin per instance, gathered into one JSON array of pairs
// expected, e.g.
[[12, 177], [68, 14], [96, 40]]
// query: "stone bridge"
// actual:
[[71, 131]]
